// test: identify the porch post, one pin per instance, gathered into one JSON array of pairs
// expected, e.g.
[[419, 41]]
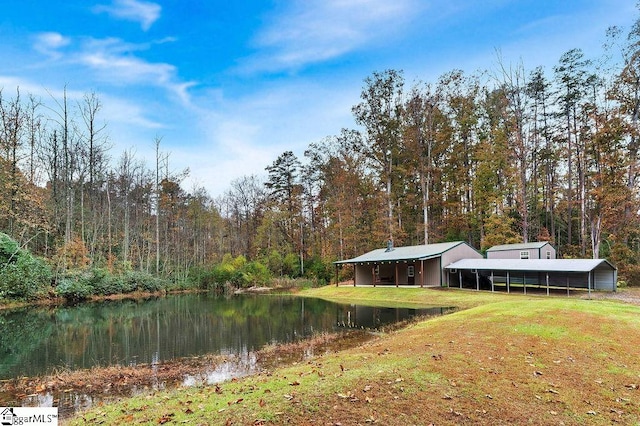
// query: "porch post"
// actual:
[[567, 284], [460, 277], [355, 270], [507, 281], [396, 276], [492, 287], [373, 275], [524, 281], [422, 273], [477, 280], [354, 277], [589, 284]]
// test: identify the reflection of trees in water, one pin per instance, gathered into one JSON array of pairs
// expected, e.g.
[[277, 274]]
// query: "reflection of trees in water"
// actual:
[[134, 332], [357, 316]]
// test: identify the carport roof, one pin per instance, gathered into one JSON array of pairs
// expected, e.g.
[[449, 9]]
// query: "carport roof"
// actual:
[[542, 265], [422, 252]]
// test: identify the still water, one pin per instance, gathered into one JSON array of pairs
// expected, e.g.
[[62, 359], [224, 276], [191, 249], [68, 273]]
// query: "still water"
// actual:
[[38, 341]]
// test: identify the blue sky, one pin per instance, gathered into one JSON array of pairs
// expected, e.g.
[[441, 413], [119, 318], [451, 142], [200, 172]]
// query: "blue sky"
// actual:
[[231, 85]]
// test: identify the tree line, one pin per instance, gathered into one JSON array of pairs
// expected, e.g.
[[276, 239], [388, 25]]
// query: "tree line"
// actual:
[[499, 156]]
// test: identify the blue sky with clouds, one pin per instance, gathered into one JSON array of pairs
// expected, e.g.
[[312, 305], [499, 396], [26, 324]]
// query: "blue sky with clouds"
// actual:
[[231, 85]]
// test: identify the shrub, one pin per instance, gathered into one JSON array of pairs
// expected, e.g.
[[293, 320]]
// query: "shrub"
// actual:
[[22, 275], [74, 290], [254, 273], [203, 278], [142, 281]]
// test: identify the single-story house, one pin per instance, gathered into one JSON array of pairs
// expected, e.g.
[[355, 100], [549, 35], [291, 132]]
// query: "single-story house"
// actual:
[[421, 265], [535, 250], [590, 274]]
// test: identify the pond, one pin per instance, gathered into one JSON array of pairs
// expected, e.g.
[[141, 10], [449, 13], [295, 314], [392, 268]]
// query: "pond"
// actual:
[[38, 341]]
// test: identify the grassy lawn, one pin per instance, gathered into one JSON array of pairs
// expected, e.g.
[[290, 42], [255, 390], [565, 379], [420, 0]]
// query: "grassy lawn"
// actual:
[[501, 359]]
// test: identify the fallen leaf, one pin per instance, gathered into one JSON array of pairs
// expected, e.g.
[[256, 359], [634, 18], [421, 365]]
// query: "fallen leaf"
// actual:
[[262, 403], [165, 418]]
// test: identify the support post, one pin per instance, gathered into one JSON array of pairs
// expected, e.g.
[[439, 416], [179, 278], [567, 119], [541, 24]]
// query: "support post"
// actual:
[[477, 280], [507, 281], [373, 274], [547, 283], [524, 282], [492, 286], [589, 284], [396, 275], [460, 277]]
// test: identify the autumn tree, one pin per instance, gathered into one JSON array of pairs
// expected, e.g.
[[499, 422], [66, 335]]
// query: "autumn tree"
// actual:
[[380, 114]]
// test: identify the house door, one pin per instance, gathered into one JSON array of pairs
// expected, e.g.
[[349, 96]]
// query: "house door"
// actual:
[[411, 275]]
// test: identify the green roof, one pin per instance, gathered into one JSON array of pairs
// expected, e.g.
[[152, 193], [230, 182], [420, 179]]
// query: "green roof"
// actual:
[[407, 253]]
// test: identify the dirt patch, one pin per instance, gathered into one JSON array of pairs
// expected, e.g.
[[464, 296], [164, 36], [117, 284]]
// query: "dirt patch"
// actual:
[[628, 295]]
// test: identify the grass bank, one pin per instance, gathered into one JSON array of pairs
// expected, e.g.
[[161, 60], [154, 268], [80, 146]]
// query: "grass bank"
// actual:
[[502, 359]]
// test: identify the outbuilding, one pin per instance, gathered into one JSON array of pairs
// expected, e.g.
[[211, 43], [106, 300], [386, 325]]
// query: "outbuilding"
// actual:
[[421, 265], [535, 250], [520, 274]]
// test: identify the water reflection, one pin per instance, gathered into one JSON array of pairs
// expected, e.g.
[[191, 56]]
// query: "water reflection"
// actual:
[[39, 340]]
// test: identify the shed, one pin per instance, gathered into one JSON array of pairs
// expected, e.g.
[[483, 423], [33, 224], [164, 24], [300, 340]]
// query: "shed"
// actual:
[[410, 265], [535, 250], [589, 274]]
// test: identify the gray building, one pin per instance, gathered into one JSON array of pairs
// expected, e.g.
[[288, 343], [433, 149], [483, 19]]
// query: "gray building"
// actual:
[[520, 274], [536, 250], [421, 265]]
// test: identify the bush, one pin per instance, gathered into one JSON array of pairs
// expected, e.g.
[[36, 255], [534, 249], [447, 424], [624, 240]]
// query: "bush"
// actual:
[[22, 275], [73, 289], [254, 273], [142, 281], [202, 278]]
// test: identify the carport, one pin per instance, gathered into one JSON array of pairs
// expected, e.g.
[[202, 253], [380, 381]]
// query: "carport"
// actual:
[[546, 274]]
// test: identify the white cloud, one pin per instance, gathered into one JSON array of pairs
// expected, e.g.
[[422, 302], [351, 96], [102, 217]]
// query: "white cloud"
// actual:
[[146, 13], [114, 61], [50, 43], [313, 31]]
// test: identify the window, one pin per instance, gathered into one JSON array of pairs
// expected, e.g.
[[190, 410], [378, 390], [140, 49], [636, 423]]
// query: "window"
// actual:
[[524, 254], [548, 254]]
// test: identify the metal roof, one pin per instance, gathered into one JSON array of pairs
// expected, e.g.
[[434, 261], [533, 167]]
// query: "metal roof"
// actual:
[[542, 265], [520, 246], [421, 252]]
